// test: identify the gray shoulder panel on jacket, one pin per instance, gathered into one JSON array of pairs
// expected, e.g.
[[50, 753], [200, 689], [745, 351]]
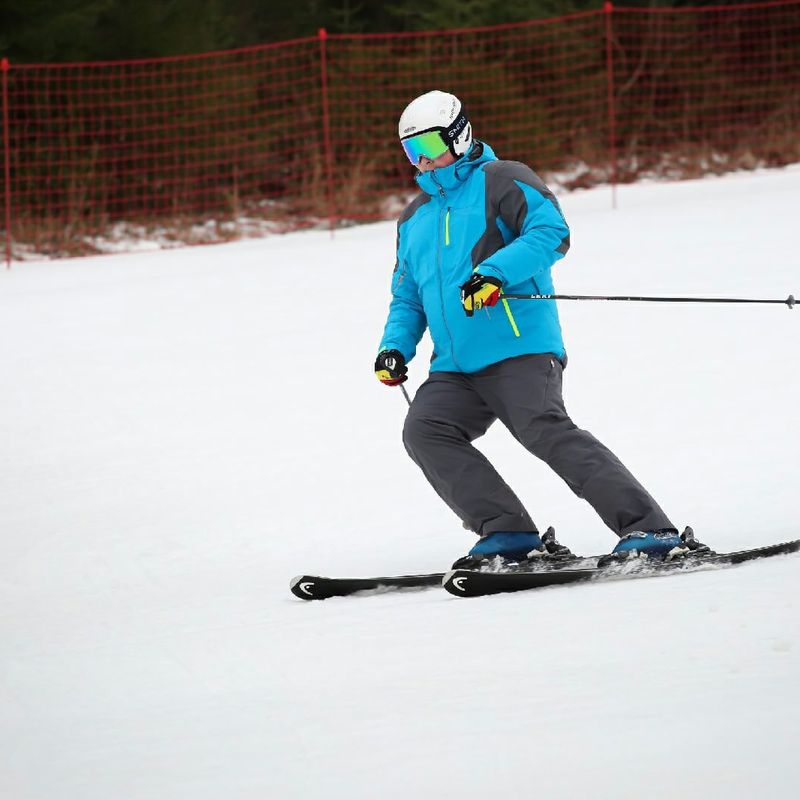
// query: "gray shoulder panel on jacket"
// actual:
[[498, 176], [413, 207], [515, 171], [409, 212], [504, 198]]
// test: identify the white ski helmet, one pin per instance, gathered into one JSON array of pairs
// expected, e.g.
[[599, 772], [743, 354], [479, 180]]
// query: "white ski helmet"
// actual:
[[432, 124]]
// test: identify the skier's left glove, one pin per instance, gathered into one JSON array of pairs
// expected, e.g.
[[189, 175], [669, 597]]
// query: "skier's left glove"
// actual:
[[479, 291], [390, 368]]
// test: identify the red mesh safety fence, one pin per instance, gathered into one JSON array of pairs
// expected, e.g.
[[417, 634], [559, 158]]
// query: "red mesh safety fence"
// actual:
[[204, 148], [701, 90], [171, 144], [536, 92]]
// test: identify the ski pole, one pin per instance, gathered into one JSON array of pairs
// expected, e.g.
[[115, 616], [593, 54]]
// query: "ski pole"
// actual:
[[405, 394], [789, 301]]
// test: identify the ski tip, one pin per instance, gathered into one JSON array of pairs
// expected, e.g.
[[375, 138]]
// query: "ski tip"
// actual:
[[454, 581], [302, 586]]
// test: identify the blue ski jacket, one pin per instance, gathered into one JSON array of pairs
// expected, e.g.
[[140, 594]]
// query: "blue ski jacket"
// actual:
[[482, 215]]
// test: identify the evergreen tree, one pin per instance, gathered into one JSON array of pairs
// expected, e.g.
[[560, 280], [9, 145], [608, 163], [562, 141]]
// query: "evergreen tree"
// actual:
[[50, 30], [152, 28], [84, 30]]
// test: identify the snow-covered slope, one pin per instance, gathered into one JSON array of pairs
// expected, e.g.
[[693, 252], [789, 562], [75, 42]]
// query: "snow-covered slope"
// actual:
[[182, 432]]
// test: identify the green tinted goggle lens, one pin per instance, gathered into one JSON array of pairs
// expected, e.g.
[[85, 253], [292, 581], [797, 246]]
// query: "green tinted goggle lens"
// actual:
[[429, 144]]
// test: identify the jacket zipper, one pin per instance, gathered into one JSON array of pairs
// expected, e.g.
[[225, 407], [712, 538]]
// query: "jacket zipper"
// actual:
[[439, 272]]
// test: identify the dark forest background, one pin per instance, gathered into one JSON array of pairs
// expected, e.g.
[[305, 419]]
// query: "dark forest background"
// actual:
[[46, 31]]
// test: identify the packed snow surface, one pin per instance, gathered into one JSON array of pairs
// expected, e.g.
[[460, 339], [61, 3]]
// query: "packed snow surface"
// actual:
[[184, 431]]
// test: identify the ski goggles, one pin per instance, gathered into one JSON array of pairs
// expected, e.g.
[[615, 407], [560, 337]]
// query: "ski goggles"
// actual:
[[434, 142], [428, 144]]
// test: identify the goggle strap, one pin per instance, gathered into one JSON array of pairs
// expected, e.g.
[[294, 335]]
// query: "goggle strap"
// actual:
[[456, 127]]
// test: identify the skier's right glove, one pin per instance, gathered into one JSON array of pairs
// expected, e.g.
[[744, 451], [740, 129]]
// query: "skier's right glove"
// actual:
[[479, 291], [390, 368]]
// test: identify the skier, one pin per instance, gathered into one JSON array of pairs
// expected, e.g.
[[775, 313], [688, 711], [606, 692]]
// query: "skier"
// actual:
[[481, 227]]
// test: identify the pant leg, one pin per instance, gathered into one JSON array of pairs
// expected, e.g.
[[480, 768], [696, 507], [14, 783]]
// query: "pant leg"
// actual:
[[526, 395], [445, 417]]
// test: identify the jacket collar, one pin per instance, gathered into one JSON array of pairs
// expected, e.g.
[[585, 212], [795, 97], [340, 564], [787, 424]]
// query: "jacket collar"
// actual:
[[448, 179]]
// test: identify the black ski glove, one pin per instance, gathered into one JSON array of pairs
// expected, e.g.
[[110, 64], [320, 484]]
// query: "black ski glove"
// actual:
[[390, 368]]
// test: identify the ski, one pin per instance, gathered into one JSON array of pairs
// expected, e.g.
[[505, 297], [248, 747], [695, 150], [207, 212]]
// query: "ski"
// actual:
[[473, 583], [317, 587]]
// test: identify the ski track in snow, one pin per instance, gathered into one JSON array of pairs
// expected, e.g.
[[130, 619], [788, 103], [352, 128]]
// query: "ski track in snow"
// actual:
[[184, 431]]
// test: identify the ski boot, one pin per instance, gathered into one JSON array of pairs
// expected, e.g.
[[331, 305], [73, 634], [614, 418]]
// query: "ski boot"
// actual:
[[665, 545], [501, 549]]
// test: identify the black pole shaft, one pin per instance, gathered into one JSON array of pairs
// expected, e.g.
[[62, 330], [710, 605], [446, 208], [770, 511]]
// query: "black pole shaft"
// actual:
[[790, 301]]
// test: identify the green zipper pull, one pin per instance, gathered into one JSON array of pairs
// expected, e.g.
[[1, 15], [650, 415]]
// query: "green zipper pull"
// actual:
[[447, 229]]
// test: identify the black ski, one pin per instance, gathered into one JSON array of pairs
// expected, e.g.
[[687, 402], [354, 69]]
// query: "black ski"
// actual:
[[316, 587], [472, 583]]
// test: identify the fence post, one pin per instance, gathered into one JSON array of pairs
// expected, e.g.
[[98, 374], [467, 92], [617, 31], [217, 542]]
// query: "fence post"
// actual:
[[326, 123], [608, 9], [4, 68]]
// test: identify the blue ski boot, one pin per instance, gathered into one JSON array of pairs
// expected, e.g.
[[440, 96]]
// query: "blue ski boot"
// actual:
[[664, 545], [513, 547]]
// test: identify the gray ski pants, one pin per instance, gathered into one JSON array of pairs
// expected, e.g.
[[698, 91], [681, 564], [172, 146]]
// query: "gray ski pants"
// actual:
[[452, 409]]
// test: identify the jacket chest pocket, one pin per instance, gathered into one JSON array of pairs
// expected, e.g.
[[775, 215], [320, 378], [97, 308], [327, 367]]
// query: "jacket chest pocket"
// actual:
[[461, 228]]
